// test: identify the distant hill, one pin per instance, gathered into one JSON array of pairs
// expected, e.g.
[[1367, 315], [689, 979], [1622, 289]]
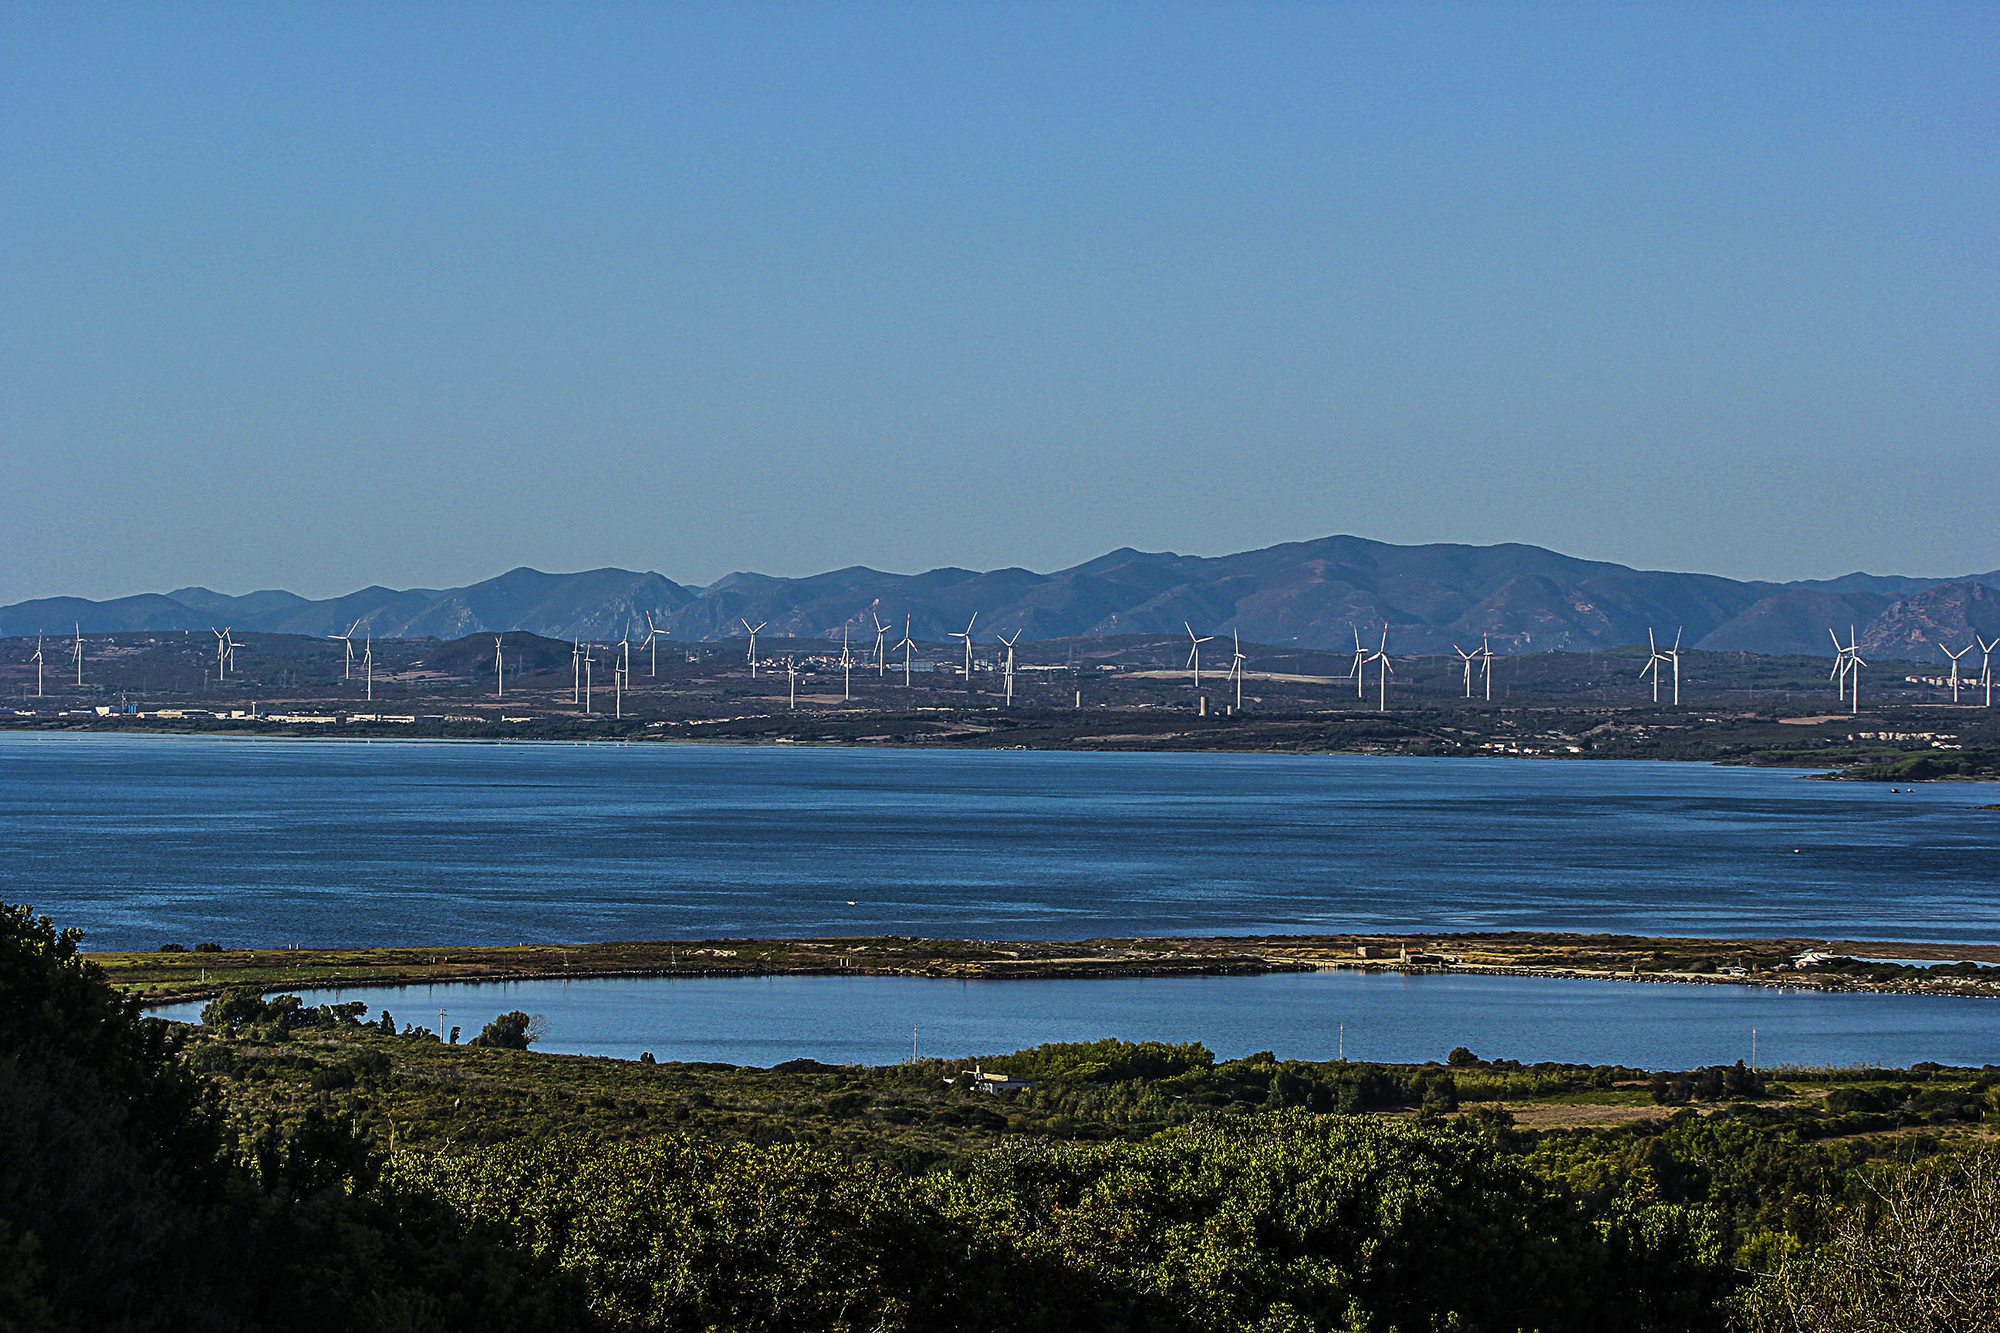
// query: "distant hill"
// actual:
[[1315, 594]]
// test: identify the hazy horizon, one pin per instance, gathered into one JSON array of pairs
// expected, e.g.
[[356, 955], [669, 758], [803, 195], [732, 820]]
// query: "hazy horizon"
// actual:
[[319, 298]]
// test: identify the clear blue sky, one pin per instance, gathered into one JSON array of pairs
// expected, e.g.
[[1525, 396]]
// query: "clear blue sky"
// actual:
[[321, 295]]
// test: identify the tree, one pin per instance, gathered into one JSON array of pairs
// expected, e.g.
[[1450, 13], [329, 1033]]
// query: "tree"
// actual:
[[108, 1143], [511, 1031], [124, 1207], [1331, 1222], [1922, 1254]]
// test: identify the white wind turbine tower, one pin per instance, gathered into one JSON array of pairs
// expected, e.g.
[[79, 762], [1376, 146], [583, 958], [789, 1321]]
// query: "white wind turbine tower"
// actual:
[[1194, 651], [753, 643], [1010, 663], [625, 658], [347, 639], [652, 644], [1381, 655], [618, 673], [1848, 666], [792, 674], [367, 661], [1954, 656], [1841, 664], [221, 652], [1653, 664], [37, 660], [499, 669], [881, 656], [77, 652], [967, 636], [1236, 666], [589, 659], [576, 671], [1468, 659], [1986, 666], [846, 668], [907, 646], [1486, 665], [1360, 661]]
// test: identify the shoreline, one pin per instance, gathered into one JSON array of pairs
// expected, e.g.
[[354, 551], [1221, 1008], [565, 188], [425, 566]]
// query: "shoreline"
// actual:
[[1208, 738], [158, 979]]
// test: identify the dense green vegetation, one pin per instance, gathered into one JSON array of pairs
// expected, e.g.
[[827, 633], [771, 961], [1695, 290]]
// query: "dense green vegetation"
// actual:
[[1974, 761], [299, 1167]]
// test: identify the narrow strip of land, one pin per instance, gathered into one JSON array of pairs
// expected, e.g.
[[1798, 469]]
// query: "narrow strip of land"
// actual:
[[1893, 968]]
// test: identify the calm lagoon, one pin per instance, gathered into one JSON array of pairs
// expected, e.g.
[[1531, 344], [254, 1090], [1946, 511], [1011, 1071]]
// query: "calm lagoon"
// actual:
[[1387, 1016]]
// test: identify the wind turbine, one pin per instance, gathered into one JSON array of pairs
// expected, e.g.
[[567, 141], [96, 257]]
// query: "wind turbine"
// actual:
[[1381, 655], [589, 659], [1848, 667], [652, 644], [906, 645], [753, 643], [1986, 666], [221, 652], [625, 657], [576, 671], [1844, 659], [347, 667], [1236, 667], [881, 658], [499, 670], [792, 674], [1360, 661], [77, 652], [37, 660], [1194, 651], [618, 674], [967, 636], [1467, 659], [1954, 656], [367, 661], [1653, 664], [1486, 665], [846, 668], [1010, 663]]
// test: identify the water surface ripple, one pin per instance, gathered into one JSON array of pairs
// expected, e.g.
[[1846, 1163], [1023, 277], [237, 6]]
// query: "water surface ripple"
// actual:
[[264, 842]]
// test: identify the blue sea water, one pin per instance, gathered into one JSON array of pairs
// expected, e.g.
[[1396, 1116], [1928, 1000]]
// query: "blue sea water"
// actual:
[[144, 839]]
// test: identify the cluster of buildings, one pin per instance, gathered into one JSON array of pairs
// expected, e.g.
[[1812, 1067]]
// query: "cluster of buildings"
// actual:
[[251, 714], [1940, 740]]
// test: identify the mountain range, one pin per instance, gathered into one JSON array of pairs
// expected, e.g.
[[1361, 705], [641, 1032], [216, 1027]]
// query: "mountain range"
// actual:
[[1314, 594]]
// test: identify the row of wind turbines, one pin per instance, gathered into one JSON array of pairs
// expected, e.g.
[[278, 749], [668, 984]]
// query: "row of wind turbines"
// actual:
[[1846, 673], [1847, 664], [41, 663]]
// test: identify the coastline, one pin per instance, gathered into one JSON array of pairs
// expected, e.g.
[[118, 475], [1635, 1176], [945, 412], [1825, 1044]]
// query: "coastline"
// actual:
[[1338, 732], [1884, 968]]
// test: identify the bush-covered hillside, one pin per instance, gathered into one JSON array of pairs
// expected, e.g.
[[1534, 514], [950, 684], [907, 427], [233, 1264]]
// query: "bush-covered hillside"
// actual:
[[298, 1167]]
